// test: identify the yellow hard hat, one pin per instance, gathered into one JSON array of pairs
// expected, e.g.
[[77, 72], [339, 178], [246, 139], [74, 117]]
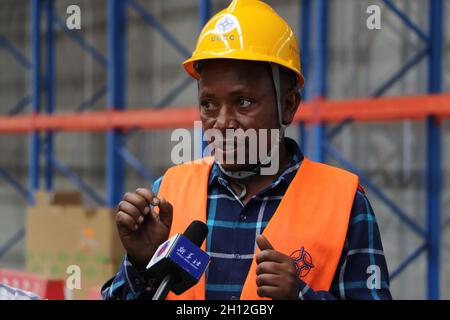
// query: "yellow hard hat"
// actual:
[[247, 30]]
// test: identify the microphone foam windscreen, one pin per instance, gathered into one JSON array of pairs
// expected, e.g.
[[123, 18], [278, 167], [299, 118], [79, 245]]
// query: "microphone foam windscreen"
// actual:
[[196, 232]]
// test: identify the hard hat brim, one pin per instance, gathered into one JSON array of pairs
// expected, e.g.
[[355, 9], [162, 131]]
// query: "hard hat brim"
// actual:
[[189, 64]]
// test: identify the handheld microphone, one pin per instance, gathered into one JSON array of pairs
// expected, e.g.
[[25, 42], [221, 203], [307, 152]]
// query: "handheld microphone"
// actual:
[[179, 261]]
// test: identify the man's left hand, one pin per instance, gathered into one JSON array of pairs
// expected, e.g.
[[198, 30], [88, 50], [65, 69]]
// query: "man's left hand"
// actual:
[[276, 273]]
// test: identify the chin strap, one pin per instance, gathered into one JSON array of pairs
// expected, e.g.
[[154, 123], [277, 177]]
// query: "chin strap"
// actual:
[[244, 174]]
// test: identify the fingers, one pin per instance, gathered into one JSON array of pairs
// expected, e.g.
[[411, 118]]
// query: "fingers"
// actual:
[[270, 292], [283, 285], [269, 260], [271, 256], [269, 268], [162, 206], [148, 195], [268, 280], [138, 201], [131, 210], [137, 205], [125, 221], [151, 199], [263, 243], [165, 212]]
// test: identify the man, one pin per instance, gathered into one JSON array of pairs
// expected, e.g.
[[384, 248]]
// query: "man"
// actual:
[[305, 231]]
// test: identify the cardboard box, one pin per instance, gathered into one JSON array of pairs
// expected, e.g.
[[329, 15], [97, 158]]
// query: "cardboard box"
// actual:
[[65, 239], [64, 198]]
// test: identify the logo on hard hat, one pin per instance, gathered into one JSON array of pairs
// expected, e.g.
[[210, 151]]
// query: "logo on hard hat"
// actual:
[[226, 24]]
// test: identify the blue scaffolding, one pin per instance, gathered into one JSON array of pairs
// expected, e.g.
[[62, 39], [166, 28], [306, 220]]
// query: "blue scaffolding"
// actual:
[[42, 80]]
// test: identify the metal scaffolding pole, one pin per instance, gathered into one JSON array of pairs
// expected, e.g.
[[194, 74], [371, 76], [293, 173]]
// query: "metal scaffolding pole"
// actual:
[[433, 169], [50, 93], [204, 12], [115, 164], [204, 15], [320, 79], [305, 47], [35, 85]]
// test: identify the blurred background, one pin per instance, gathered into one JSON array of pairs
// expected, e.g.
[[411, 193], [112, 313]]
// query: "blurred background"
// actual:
[[128, 54]]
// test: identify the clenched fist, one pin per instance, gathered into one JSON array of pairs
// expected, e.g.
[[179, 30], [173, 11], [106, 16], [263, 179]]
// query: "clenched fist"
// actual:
[[141, 228]]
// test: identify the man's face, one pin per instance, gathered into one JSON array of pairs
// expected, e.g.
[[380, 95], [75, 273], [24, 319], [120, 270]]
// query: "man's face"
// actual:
[[236, 94]]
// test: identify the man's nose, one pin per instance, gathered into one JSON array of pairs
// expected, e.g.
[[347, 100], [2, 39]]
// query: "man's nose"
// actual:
[[226, 118]]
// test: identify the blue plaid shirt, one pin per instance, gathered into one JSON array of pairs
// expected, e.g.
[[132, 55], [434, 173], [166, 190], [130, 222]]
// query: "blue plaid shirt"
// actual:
[[361, 274]]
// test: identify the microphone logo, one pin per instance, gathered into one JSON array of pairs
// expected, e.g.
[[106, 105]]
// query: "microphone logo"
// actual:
[[162, 249]]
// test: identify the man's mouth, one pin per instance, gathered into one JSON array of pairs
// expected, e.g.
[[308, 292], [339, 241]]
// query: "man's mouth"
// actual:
[[228, 146]]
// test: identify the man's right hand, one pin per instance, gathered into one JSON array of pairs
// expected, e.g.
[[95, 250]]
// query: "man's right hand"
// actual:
[[141, 229]]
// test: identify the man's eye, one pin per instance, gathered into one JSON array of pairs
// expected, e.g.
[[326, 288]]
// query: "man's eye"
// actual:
[[243, 102], [206, 105]]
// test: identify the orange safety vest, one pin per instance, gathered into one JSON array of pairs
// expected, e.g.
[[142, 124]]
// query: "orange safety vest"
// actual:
[[312, 216]]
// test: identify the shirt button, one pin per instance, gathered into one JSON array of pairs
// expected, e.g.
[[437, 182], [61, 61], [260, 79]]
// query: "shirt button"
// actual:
[[237, 256], [243, 217], [233, 298]]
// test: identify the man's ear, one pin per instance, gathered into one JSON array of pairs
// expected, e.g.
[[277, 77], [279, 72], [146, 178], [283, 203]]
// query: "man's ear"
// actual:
[[291, 103]]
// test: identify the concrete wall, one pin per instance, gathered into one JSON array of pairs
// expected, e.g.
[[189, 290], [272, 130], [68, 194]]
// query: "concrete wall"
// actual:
[[360, 60]]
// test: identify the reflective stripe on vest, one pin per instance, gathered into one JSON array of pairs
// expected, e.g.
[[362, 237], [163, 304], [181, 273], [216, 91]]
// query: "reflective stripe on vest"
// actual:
[[310, 223]]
